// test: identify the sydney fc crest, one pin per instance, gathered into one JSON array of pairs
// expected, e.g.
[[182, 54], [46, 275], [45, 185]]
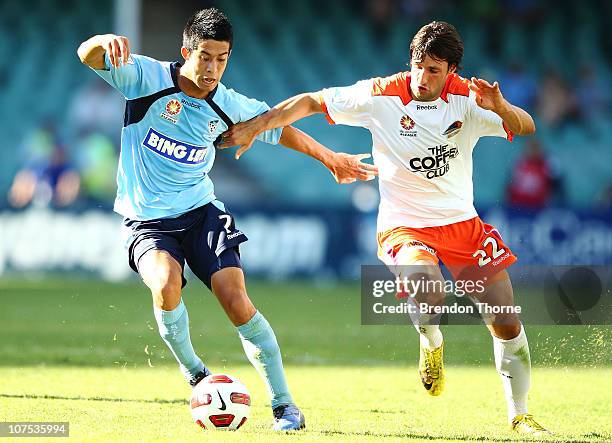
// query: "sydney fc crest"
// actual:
[[212, 125]]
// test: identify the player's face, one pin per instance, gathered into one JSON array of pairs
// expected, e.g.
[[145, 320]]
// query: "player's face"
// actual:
[[207, 63], [427, 78]]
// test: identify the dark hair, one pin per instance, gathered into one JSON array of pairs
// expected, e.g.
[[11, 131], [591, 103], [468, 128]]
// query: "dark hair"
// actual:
[[207, 24], [439, 40]]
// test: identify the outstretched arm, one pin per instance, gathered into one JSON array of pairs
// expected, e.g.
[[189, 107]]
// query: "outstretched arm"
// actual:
[[345, 168], [489, 96], [91, 51], [295, 108]]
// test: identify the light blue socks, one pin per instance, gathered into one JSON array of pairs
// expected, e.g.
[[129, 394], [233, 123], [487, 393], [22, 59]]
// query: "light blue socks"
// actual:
[[258, 341], [174, 330], [261, 348]]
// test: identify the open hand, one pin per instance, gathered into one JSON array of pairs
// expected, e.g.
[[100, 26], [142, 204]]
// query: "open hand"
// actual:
[[348, 168], [488, 96], [242, 135], [118, 49]]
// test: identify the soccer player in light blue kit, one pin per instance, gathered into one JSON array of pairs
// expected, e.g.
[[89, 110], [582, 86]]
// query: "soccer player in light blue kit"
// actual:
[[174, 116]]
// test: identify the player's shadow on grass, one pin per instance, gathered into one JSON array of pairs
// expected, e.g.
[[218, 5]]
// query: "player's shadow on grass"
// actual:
[[125, 400]]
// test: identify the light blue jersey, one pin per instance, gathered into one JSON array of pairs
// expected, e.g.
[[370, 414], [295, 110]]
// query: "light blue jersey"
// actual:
[[167, 141]]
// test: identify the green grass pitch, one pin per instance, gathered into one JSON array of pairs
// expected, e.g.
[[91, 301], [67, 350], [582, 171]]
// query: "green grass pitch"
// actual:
[[88, 353]]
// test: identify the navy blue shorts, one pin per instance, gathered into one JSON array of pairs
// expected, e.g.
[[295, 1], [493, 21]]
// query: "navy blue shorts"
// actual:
[[206, 237]]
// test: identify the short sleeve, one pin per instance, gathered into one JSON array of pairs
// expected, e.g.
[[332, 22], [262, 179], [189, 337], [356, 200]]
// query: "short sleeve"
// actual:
[[349, 105], [139, 77], [248, 108], [486, 123]]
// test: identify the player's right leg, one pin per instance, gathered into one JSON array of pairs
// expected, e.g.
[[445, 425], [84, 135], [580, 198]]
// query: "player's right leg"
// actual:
[[431, 341], [163, 275], [408, 257], [258, 339]]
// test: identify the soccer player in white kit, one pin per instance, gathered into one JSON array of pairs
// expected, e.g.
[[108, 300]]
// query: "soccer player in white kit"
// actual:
[[424, 124]]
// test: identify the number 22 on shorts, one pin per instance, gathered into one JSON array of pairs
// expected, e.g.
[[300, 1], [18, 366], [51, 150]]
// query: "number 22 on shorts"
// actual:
[[481, 254]]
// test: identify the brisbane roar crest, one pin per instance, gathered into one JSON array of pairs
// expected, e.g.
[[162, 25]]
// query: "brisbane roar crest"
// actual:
[[453, 129]]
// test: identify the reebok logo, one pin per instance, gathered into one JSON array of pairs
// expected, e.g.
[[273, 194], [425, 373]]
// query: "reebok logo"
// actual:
[[191, 104], [426, 107], [501, 259], [234, 235]]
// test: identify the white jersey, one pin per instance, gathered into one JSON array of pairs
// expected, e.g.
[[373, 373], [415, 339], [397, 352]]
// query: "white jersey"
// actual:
[[423, 150]]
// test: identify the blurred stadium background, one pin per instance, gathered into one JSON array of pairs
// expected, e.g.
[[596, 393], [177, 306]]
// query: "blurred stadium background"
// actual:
[[551, 195], [67, 294]]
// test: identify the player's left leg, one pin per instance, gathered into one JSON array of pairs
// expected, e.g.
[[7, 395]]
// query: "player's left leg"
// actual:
[[475, 252], [409, 255], [211, 251], [511, 350], [258, 340]]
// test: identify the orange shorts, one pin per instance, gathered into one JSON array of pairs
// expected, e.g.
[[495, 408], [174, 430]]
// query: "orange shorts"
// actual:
[[470, 249]]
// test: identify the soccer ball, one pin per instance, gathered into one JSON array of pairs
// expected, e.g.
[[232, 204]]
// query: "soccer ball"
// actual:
[[220, 402]]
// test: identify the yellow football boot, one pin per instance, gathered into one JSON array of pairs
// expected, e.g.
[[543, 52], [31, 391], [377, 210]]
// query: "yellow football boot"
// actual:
[[431, 369], [525, 424]]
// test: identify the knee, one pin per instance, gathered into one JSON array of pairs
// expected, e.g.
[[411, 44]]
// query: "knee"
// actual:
[[435, 297], [166, 290], [506, 327], [428, 288], [240, 309], [237, 305]]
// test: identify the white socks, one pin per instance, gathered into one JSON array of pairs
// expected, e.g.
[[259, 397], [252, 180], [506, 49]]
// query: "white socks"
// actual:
[[430, 334], [512, 360], [514, 367]]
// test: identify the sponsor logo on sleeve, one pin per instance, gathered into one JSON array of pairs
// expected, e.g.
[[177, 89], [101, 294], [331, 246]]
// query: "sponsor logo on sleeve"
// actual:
[[172, 149]]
